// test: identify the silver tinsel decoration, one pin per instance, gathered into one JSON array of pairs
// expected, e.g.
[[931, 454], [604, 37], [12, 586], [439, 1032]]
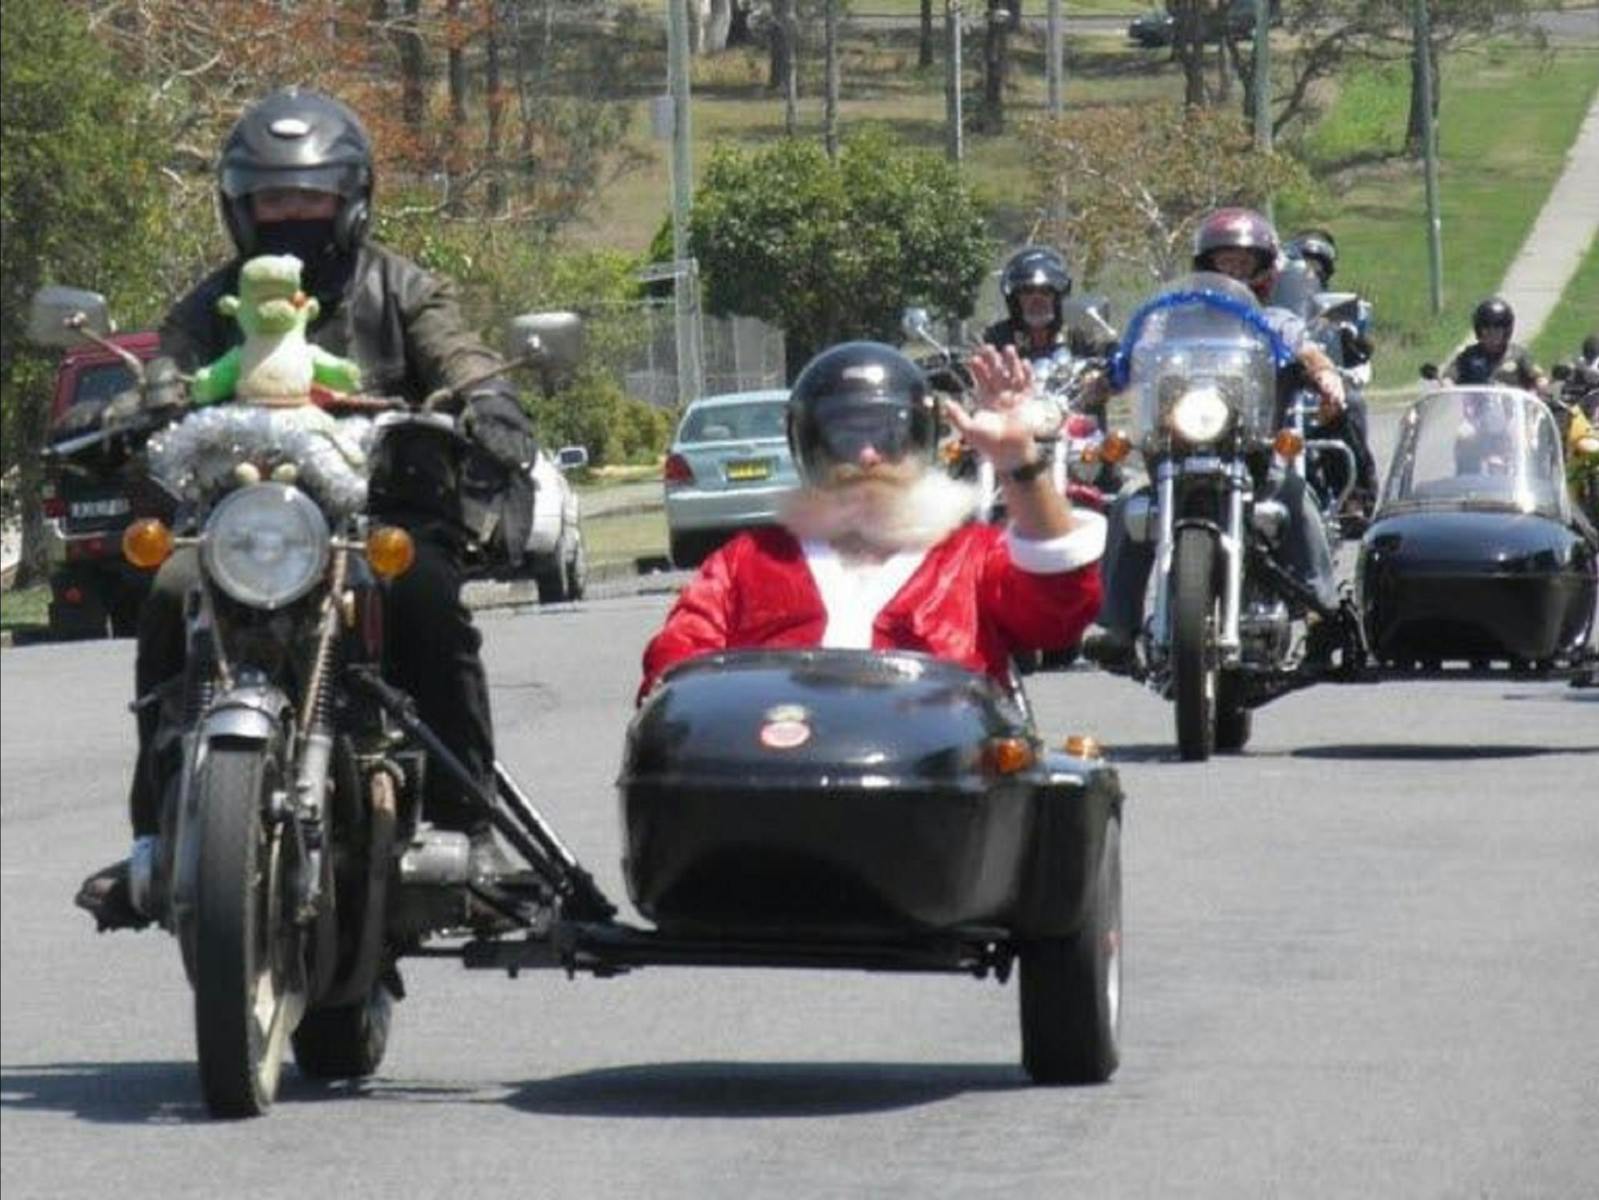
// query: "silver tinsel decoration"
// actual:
[[206, 451]]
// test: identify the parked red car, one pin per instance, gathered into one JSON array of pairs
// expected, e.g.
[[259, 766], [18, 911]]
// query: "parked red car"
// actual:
[[88, 497]]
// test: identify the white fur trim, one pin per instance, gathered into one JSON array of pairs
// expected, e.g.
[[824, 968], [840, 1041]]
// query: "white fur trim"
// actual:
[[1068, 552], [854, 593]]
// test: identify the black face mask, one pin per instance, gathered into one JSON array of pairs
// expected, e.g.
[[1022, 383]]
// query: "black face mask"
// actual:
[[327, 269]]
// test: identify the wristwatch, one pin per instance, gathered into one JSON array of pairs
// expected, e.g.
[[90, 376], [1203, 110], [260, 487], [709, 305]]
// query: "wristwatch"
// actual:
[[1028, 472]]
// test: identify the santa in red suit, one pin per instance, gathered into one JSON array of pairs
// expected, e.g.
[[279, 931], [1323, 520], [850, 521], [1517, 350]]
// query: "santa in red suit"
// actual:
[[877, 549]]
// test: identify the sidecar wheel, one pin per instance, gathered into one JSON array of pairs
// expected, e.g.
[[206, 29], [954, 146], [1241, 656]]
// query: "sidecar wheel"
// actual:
[[1194, 674], [1071, 987], [249, 978], [347, 1042]]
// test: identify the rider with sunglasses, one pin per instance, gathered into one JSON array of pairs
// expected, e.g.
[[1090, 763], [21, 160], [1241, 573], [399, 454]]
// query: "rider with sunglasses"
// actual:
[[877, 548]]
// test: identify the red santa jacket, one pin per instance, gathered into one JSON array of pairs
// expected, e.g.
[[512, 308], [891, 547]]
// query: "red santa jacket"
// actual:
[[974, 598]]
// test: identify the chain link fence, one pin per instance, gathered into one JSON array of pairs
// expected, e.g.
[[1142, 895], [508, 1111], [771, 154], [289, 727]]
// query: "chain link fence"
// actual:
[[728, 354]]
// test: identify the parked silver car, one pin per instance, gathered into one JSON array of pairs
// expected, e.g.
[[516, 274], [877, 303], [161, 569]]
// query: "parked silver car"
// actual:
[[728, 469]]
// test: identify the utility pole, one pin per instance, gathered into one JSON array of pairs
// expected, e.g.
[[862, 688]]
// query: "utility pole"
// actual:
[[1262, 85], [684, 277], [1429, 154], [1052, 56], [830, 79], [952, 79]]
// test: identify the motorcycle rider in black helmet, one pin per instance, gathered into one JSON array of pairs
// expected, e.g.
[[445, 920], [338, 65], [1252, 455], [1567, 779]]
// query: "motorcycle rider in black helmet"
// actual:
[[1350, 346], [1243, 245], [295, 177], [1493, 357], [1034, 285]]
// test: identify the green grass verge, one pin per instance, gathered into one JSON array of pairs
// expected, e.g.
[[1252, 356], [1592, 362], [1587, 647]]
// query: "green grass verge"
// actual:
[[24, 609], [625, 536], [1575, 317], [1507, 119]]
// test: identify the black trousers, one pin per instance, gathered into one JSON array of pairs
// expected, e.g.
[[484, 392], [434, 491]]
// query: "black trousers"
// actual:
[[431, 651]]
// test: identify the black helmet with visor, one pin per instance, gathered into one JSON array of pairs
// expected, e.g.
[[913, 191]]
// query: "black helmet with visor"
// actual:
[[300, 140], [1034, 267], [859, 395], [1493, 313]]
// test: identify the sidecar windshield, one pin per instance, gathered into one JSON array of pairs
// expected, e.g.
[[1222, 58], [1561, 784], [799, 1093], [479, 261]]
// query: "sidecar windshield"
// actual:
[[1204, 331], [1480, 448]]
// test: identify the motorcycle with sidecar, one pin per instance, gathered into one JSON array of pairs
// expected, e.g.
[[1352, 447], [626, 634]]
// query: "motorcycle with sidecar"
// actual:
[[821, 809], [1476, 563]]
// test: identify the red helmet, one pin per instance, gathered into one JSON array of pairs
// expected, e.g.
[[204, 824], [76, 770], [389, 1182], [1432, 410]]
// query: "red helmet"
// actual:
[[1241, 229]]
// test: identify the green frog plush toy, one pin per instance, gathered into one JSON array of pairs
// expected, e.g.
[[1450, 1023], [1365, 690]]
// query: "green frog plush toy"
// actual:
[[276, 365]]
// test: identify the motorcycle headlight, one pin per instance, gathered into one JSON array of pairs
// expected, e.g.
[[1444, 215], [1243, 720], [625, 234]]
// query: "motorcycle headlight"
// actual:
[[1199, 415], [266, 545]]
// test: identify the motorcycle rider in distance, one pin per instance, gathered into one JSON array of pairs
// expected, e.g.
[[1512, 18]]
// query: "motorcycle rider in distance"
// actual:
[[1034, 285], [295, 177], [1493, 357], [876, 550], [1242, 244], [1318, 250]]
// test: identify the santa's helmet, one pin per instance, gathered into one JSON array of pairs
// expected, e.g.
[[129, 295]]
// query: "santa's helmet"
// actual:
[[856, 396], [1240, 229]]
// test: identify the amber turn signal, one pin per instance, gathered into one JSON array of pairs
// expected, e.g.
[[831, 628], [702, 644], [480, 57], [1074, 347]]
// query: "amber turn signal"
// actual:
[[1081, 745], [1007, 755], [390, 550], [147, 543], [1116, 446], [1288, 443]]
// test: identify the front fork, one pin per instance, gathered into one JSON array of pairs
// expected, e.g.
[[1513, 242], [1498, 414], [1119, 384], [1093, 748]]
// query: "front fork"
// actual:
[[1231, 541]]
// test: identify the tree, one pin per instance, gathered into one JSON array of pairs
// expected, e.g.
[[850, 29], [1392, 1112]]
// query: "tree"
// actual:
[[1129, 184], [836, 250], [81, 204]]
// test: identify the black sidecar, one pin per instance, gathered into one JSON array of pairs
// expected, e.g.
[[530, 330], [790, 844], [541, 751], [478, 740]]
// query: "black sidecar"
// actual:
[[1474, 562], [864, 810]]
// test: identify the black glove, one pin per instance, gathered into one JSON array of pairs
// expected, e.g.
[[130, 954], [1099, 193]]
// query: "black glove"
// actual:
[[494, 422]]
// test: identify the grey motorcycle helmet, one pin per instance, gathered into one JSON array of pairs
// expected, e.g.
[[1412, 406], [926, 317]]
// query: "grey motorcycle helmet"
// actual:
[[856, 395], [297, 139]]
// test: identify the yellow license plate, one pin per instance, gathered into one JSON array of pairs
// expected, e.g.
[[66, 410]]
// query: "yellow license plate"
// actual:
[[742, 472]]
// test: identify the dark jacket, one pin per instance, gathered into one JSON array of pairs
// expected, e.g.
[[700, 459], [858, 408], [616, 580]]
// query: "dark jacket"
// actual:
[[1012, 333], [1475, 365], [403, 326]]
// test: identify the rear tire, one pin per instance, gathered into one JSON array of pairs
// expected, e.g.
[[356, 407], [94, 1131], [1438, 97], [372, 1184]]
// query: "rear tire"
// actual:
[[1193, 652], [249, 977], [687, 550], [577, 571], [1071, 986]]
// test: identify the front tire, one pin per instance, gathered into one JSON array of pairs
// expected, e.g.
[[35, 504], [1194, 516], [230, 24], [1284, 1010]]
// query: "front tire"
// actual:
[[249, 977], [1071, 986], [1193, 649]]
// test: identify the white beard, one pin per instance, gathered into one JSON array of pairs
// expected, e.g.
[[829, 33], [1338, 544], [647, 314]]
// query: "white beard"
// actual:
[[882, 517]]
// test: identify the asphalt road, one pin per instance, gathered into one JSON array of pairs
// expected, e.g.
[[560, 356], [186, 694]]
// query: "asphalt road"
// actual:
[[1359, 963]]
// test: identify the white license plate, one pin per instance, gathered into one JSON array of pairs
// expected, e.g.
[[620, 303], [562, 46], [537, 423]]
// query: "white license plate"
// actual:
[[114, 507]]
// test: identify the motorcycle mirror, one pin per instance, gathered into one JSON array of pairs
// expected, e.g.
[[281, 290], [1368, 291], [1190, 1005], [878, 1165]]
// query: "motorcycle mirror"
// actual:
[[1561, 372], [1092, 312], [554, 340], [1429, 371], [64, 316], [916, 323], [571, 458]]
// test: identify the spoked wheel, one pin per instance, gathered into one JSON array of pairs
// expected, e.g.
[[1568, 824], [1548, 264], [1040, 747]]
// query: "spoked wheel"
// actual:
[[249, 978], [1193, 643], [1071, 987]]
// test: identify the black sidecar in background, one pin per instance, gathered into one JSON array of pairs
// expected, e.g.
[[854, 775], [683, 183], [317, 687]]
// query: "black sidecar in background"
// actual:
[[1475, 562], [864, 810]]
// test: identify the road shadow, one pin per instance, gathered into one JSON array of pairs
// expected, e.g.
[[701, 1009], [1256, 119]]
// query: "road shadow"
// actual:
[[757, 1090], [1432, 753], [124, 1093]]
